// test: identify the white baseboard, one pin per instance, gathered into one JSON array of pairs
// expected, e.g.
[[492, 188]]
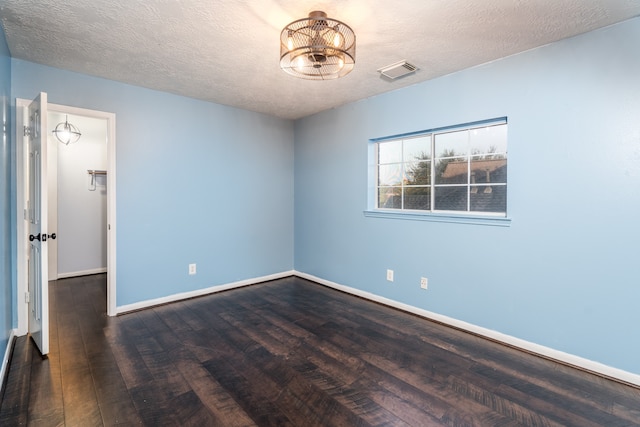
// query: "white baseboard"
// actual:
[[200, 292], [547, 352], [82, 273], [5, 359]]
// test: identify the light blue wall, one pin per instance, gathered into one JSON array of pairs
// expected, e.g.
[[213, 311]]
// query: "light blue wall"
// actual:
[[196, 183], [6, 283], [565, 274], [204, 183]]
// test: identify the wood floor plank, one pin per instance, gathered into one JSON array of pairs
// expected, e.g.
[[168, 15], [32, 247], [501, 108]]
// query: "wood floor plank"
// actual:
[[122, 339], [539, 400], [222, 406], [409, 373], [122, 413], [14, 408], [45, 397], [153, 410], [256, 400], [108, 382], [78, 391], [273, 381], [234, 316], [281, 344], [210, 392]]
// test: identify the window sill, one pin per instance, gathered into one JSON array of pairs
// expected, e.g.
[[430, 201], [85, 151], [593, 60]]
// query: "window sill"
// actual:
[[434, 217]]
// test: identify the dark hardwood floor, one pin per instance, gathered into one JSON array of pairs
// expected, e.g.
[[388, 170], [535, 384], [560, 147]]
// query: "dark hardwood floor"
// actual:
[[287, 353]]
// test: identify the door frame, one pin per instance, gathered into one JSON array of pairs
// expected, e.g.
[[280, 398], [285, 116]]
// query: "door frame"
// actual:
[[22, 230]]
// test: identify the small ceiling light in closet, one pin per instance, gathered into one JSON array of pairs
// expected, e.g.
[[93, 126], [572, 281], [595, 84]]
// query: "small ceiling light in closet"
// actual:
[[66, 132]]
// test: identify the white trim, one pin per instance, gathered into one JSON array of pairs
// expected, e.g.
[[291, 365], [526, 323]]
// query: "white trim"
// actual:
[[5, 359], [201, 292], [82, 273], [461, 218], [111, 216], [22, 230], [540, 350]]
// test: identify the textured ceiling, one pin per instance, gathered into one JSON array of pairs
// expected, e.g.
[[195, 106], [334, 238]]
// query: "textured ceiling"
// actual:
[[227, 51]]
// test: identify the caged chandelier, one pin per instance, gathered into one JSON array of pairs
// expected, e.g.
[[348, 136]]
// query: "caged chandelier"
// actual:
[[66, 132], [317, 48]]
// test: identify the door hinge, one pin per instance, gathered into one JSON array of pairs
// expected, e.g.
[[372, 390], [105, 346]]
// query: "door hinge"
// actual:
[[26, 297], [26, 131]]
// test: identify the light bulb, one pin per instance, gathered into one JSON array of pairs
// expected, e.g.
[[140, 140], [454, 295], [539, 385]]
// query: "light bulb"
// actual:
[[337, 40], [290, 42], [300, 63]]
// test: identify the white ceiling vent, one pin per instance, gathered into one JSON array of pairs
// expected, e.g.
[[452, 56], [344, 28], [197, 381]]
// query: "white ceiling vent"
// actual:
[[397, 70]]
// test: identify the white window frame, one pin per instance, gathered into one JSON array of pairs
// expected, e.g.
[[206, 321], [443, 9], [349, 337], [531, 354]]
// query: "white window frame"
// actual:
[[464, 216]]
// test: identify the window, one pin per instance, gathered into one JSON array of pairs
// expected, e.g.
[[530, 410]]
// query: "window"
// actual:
[[453, 170]]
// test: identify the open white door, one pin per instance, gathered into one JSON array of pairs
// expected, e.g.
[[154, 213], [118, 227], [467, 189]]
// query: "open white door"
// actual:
[[38, 295]]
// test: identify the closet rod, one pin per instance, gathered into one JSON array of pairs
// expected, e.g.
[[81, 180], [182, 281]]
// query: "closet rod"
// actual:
[[96, 172]]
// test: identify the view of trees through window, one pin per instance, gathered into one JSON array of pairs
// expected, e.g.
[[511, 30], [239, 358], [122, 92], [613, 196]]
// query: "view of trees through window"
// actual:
[[461, 170]]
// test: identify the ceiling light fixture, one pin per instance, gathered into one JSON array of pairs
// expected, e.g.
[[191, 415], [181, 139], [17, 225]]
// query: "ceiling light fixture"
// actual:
[[317, 48], [66, 132]]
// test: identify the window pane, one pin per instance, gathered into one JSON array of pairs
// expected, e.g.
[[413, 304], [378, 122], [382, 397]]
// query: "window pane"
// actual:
[[452, 171], [452, 144], [489, 198], [390, 152], [417, 198], [492, 170], [451, 198], [390, 174], [418, 173], [461, 169], [390, 198], [490, 139], [417, 149]]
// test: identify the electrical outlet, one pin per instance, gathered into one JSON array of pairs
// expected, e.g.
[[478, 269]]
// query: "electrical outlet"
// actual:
[[423, 282], [192, 269], [390, 275]]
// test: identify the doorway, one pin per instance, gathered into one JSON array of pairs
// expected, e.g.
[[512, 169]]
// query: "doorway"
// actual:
[[77, 210], [104, 181]]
